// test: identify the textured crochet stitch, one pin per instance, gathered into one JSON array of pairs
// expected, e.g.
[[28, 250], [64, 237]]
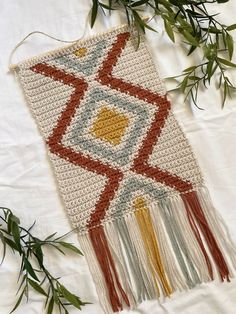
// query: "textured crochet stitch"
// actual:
[[126, 172]]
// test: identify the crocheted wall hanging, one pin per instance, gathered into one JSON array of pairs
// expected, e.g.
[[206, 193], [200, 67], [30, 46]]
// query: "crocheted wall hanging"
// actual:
[[126, 172]]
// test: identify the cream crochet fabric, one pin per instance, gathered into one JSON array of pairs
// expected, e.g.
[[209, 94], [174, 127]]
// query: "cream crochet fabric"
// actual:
[[127, 175]]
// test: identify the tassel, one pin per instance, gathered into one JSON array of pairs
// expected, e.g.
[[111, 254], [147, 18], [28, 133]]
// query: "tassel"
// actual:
[[196, 213], [107, 265]]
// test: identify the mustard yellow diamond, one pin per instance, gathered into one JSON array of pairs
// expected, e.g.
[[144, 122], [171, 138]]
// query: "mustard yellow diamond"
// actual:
[[110, 125]]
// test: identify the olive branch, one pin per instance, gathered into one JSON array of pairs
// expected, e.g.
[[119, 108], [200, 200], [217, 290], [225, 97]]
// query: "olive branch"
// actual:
[[198, 29], [33, 273]]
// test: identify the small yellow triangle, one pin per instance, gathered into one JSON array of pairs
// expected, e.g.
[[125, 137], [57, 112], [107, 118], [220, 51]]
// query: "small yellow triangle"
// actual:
[[81, 52]]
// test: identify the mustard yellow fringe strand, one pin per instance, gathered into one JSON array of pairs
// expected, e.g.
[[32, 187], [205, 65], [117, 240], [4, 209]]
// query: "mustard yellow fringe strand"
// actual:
[[144, 220]]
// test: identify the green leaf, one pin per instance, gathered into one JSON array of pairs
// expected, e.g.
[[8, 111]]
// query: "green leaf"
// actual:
[[230, 45], [71, 247], [184, 25], [169, 17], [190, 38], [193, 13], [28, 267], [9, 222], [11, 244], [56, 247], [50, 306], [184, 84], [107, 7], [209, 69], [127, 16], [138, 3], [37, 287], [50, 236], [47, 298], [194, 78], [21, 284], [16, 234], [231, 27], [191, 20], [4, 247], [169, 30], [220, 80], [18, 302], [72, 298], [149, 27], [94, 12], [55, 296], [224, 39], [191, 50], [214, 30], [225, 92], [39, 253], [140, 22], [178, 2], [190, 69], [227, 62], [15, 219]]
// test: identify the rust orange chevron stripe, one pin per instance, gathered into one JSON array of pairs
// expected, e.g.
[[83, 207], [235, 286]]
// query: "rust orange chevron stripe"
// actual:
[[97, 235], [140, 163], [67, 153]]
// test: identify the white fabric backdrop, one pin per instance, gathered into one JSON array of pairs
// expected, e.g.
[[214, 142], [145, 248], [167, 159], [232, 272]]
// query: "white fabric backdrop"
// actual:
[[26, 181]]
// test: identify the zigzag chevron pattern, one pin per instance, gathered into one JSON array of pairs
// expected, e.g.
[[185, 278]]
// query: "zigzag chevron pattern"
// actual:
[[127, 175], [93, 163]]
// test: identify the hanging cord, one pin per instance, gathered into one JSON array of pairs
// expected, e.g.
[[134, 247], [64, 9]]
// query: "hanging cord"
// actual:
[[12, 66]]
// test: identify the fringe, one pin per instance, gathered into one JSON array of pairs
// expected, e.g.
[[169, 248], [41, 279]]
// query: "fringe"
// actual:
[[173, 271], [95, 270], [197, 255], [119, 259], [134, 268], [161, 247], [144, 220], [137, 241], [106, 262], [217, 224], [179, 245], [193, 207]]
